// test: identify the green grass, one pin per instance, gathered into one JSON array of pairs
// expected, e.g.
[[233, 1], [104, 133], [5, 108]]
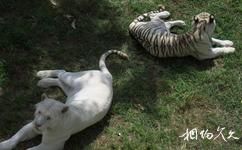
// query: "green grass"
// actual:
[[155, 100]]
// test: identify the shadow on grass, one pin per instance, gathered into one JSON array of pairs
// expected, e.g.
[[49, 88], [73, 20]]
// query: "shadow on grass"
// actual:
[[144, 84], [185, 63], [87, 136]]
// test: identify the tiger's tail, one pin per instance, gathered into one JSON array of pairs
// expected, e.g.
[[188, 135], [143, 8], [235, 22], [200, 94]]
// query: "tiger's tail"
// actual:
[[102, 64]]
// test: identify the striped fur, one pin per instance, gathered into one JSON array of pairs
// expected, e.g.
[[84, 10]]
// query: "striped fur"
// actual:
[[153, 33]]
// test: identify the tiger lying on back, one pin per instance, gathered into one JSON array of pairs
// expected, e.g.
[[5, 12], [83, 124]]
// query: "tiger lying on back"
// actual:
[[155, 36]]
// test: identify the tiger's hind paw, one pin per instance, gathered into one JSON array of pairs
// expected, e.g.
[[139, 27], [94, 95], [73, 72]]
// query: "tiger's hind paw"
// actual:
[[161, 8], [181, 23]]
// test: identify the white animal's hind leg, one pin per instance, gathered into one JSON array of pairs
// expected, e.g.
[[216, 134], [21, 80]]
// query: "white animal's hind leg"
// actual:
[[224, 43], [160, 15], [49, 73], [26, 133], [170, 24], [71, 79], [48, 82]]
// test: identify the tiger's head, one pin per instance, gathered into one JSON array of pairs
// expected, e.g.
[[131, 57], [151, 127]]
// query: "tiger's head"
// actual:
[[49, 113], [204, 22]]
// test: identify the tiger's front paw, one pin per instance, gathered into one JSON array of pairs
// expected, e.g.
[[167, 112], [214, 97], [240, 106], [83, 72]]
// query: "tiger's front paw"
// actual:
[[227, 43], [229, 50]]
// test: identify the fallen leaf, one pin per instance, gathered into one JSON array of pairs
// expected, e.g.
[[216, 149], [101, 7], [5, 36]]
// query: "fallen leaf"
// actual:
[[68, 16], [53, 2], [73, 24]]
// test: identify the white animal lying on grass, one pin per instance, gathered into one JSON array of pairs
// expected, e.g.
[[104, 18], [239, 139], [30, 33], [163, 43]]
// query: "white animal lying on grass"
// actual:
[[89, 96]]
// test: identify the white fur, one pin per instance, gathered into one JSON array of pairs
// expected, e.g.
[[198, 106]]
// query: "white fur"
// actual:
[[89, 96]]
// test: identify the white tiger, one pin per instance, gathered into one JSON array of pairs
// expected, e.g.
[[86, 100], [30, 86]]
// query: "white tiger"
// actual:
[[155, 36], [89, 96]]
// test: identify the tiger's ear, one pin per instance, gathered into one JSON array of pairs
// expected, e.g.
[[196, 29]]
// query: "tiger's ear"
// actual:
[[64, 109], [195, 19], [44, 96], [211, 18]]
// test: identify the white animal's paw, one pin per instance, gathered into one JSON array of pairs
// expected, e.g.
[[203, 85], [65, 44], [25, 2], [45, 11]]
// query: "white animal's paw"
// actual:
[[227, 43], [42, 83], [6, 145], [42, 74], [230, 50]]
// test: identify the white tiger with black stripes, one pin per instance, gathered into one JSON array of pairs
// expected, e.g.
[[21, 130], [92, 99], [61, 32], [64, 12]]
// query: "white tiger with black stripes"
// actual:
[[89, 96], [155, 36]]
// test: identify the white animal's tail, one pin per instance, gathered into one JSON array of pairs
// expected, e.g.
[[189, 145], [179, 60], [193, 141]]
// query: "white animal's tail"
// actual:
[[102, 64]]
